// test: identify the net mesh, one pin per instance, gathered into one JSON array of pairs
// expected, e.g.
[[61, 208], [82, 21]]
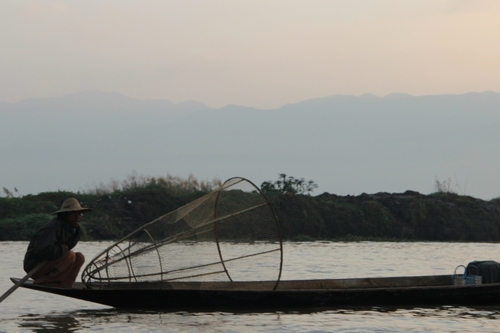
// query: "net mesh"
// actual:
[[231, 234]]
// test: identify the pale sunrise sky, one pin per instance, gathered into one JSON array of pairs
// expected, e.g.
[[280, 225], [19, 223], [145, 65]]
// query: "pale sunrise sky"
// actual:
[[248, 52]]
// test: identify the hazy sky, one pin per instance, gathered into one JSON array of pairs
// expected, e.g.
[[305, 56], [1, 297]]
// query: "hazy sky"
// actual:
[[248, 52]]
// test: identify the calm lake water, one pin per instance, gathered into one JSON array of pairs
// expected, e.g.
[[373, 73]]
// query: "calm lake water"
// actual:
[[32, 311]]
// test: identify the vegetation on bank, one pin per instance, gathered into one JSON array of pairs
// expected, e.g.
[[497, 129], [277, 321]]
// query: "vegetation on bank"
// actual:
[[120, 208]]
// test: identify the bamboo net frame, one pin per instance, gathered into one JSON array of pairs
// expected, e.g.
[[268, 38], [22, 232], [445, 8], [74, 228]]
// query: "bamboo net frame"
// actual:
[[231, 234]]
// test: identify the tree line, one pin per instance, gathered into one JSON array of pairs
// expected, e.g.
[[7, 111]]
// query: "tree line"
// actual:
[[408, 216]]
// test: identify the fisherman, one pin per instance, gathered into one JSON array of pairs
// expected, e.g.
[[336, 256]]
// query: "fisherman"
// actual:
[[52, 244]]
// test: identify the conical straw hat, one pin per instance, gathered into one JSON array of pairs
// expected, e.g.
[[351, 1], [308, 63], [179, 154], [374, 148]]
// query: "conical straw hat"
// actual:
[[71, 205]]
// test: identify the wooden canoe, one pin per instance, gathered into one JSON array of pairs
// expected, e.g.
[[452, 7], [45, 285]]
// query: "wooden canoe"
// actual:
[[289, 295]]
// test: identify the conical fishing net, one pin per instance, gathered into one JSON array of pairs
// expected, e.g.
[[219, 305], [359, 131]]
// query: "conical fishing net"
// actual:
[[231, 234]]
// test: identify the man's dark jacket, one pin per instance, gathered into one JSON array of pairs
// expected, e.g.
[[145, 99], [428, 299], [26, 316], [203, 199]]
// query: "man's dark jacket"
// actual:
[[48, 242]]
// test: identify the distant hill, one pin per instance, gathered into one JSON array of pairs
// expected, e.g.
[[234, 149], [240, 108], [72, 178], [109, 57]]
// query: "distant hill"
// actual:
[[346, 144], [88, 111]]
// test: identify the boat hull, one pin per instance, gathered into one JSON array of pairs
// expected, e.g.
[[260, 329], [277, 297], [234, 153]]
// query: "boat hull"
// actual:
[[289, 295]]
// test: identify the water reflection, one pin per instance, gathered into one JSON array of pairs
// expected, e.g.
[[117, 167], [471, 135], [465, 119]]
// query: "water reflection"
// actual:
[[73, 321], [48, 323], [434, 319]]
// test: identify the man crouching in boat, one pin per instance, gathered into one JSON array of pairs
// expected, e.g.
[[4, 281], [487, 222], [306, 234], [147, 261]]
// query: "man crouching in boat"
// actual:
[[52, 244]]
